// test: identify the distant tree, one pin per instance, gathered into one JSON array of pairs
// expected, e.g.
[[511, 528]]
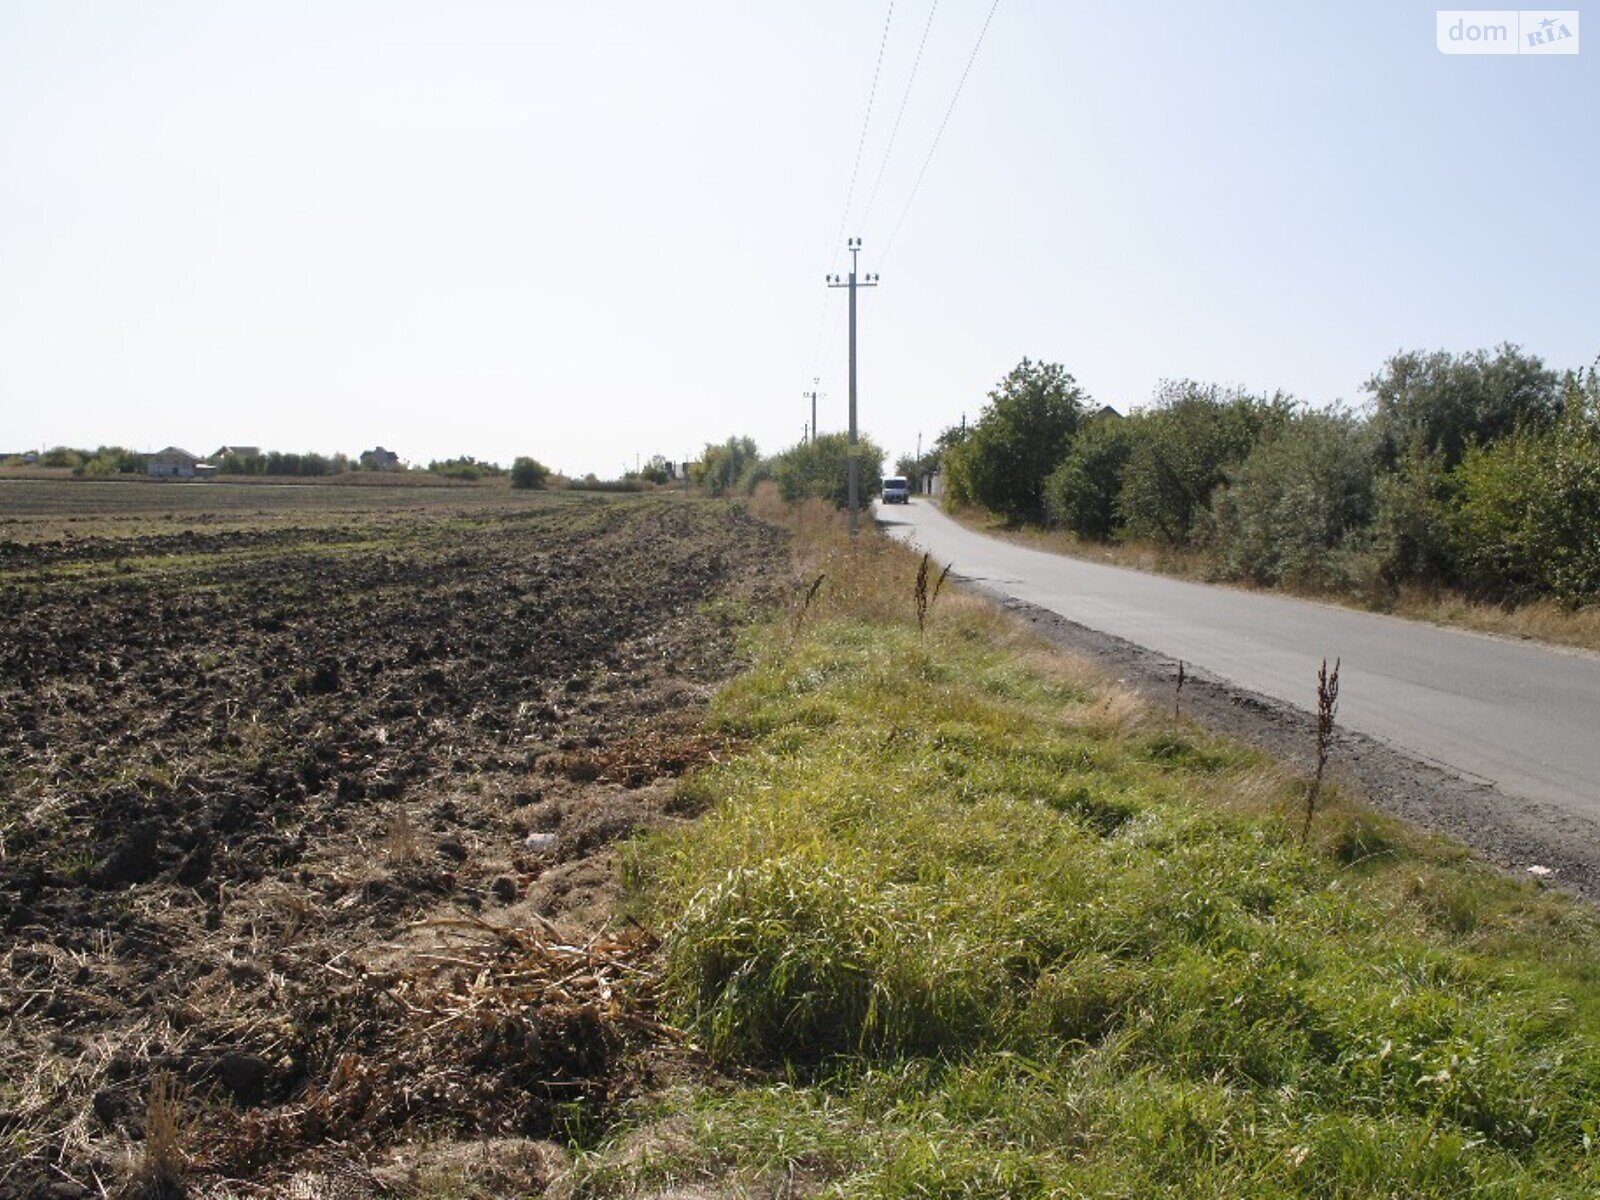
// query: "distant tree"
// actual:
[[234, 463], [63, 456], [109, 460], [918, 470], [955, 489], [821, 468], [1439, 404], [528, 473], [1021, 435], [1182, 450], [1081, 493], [658, 470], [723, 466], [279, 462]]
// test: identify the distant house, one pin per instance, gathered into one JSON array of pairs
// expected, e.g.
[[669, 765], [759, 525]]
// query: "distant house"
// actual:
[[222, 452], [172, 463], [1107, 411], [379, 459]]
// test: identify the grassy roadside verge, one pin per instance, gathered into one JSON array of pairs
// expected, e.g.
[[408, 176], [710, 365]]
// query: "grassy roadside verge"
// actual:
[[1541, 621], [962, 919]]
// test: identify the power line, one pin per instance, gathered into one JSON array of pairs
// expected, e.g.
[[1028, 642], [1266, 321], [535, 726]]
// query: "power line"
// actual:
[[861, 144], [889, 245], [895, 132], [850, 192]]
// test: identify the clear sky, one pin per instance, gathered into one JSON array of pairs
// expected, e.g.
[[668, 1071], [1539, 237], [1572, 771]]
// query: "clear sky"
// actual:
[[590, 231]]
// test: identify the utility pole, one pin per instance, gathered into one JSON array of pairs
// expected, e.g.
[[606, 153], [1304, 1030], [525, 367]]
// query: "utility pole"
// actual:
[[854, 245], [812, 396]]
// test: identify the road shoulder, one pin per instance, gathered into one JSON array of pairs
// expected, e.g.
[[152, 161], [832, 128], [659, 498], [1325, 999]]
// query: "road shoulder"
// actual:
[[1514, 834]]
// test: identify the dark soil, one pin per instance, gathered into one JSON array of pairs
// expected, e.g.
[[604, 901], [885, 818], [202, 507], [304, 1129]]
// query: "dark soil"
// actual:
[[321, 822]]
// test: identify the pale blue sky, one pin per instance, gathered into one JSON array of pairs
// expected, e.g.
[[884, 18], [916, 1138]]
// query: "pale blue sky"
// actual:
[[590, 231]]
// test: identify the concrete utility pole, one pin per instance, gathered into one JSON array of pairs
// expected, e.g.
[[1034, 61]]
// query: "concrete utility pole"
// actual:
[[812, 396], [855, 464]]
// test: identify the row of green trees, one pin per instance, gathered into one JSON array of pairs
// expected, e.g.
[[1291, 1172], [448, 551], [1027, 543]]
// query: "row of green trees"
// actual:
[[284, 463], [1478, 471], [106, 460]]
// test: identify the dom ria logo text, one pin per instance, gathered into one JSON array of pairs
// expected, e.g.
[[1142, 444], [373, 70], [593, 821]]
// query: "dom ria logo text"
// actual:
[[1506, 31]]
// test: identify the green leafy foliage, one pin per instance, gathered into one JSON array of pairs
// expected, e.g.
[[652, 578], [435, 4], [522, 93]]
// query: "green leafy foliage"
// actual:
[[722, 467], [278, 462], [1527, 516], [657, 471], [1181, 453], [465, 468], [820, 467], [108, 461], [1081, 493], [1022, 434], [1472, 471], [528, 473], [1441, 403], [1296, 500], [63, 456], [1013, 948]]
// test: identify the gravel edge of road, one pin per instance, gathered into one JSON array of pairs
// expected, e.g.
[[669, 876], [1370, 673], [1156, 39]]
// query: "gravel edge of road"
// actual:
[[1511, 833]]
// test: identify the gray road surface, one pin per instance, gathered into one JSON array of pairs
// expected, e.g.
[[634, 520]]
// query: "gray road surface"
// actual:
[[1522, 717]]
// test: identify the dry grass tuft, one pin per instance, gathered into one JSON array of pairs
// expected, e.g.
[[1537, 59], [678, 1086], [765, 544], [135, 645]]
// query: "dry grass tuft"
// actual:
[[402, 844], [1539, 621], [162, 1164], [1118, 712]]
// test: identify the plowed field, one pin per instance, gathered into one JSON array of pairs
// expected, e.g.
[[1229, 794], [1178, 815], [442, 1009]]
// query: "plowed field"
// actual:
[[314, 813]]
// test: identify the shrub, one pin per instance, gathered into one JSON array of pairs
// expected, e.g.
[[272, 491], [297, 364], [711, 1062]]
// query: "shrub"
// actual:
[[1081, 494], [820, 469], [593, 483], [528, 473], [63, 456], [1411, 527], [110, 460], [465, 468], [722, 467], [1527, 517], [1295, 500], [1182, 451]]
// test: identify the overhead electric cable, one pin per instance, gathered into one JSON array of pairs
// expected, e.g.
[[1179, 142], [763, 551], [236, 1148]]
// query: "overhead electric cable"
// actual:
[[861, 144], [850, 192], [866, 213], [889, 245]]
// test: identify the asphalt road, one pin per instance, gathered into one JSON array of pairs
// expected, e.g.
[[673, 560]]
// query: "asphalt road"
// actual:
[[1519, 716]]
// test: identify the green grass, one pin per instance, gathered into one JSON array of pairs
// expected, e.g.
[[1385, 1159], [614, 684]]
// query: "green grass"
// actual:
[[957, 922]]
